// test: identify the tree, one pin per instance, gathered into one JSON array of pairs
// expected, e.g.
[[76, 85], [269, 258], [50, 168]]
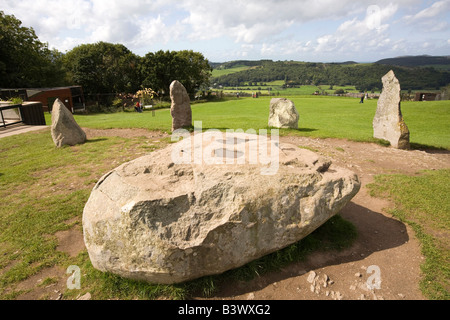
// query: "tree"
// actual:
[[24, 60], [191, 68], [103, 68]]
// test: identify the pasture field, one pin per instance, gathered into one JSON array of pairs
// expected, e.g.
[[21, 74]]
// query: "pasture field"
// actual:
[[223, 72], [275, 88]]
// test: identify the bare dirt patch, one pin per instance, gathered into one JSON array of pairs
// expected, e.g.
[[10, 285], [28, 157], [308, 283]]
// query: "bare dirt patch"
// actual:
[[48, 284], [124, 133], [71, 241]]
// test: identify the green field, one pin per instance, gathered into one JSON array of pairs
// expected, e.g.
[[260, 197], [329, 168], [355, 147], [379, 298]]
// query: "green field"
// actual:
[[320, 116], [223, 72], [275, 88], [422, 202]]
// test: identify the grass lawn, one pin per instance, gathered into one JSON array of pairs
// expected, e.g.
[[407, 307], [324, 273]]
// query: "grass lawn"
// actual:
[[320, 116], [44, 189], [422, 202]]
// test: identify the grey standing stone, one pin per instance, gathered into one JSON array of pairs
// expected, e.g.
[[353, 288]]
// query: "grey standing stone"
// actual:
[[65, 130], [283, 114], [181, 106], [388, 123]]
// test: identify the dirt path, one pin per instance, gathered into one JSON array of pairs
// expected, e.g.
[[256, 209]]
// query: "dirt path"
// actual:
[[383, 242]]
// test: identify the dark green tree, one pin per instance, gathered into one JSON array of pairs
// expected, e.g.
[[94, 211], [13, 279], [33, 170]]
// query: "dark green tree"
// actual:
[[159, 69], [103, 68], [24, 60]]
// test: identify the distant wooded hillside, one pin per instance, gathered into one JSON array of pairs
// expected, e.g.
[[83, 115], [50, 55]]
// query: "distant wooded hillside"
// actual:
[[364, 77], [417, 61]]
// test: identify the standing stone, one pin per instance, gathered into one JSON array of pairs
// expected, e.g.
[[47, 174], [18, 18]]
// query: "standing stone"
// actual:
[[181, 106], [388, 123], [283, 114], [65, 130]]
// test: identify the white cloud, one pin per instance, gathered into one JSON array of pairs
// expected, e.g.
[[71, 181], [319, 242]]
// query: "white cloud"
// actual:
[[351, 40], [427, 20], [355, 36], [155, 30], [252, 28], [437, 8], [253, 20], [92, 20]]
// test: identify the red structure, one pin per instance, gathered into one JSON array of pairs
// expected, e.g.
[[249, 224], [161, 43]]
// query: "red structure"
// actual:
[[72, 96]]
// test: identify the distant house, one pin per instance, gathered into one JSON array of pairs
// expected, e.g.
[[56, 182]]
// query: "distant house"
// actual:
[[425, 96], [72, 97]]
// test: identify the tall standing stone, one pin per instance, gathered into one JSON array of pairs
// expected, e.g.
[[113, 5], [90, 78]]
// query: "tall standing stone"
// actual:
[[283, 114], [388, 123], [65, 130], [181, 106]]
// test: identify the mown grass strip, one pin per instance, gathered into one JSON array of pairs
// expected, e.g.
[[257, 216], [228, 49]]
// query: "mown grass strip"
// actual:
[[422, 201]]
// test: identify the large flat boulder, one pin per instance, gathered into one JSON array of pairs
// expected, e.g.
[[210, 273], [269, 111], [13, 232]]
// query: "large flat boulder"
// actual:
[[207, 204]]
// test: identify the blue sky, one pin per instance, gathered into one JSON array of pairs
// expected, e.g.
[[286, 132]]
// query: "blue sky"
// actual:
[[319, 30]]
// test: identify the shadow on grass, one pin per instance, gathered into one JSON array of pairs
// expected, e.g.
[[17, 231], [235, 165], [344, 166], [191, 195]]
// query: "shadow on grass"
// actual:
[[304, 129], [96, 140], [289, 130], [297, 132], [415, 146], [428, 148]]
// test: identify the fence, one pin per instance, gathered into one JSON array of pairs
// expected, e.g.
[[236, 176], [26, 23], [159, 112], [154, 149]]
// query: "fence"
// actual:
[[29, 113]]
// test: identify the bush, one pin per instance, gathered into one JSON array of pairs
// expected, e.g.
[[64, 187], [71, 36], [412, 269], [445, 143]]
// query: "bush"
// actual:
[[102, 108], [118, 104], [16, 100]]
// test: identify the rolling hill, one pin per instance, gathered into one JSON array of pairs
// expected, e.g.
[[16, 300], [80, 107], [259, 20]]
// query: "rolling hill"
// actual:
[[439, 62], [414, 73]]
